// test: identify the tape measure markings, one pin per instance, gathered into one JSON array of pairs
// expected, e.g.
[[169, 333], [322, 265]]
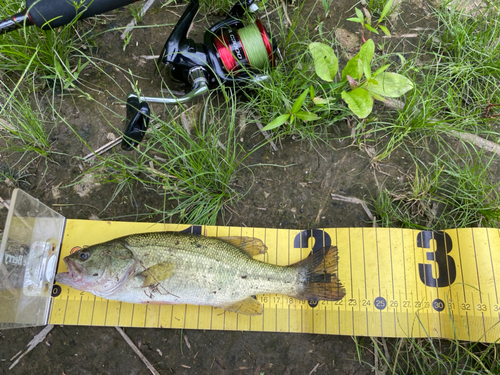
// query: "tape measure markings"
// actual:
[[492, 268], [405, 284], [472, 277], [379, 283], [79, 310], [392, 283], [372, 307], [480, 306], [463, 284]]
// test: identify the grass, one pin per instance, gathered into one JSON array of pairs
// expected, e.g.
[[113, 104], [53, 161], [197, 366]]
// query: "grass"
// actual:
[[457, 75], [429, 356], [450, 182], [192, 168], [444, 190], [23, 128], [57, 55]]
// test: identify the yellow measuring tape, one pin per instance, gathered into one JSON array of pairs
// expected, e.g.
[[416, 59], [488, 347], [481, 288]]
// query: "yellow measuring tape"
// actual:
[[399, 283]]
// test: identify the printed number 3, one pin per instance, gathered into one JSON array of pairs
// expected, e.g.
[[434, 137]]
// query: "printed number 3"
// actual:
[[446, 270]]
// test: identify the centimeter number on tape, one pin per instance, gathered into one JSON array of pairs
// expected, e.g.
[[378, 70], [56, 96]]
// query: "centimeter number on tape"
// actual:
[[399, 283]]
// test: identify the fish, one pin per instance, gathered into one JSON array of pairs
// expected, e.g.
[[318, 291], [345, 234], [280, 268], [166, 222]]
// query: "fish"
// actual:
[[180, 268]]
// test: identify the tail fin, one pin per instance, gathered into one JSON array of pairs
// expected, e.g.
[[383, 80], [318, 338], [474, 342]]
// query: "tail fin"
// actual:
[[318, 275]]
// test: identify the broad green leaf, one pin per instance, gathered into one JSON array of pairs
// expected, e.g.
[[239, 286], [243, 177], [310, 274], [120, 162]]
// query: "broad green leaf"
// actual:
[[312, 92], [377, 97], [361, 69], [385, 11], [367, 69], [367, 50], [355, 66], [385, 30], [359, 13], [326, 63], [320, 101], [352, 69], [380, 70], [391, 85], [280, 120], [371, 28], [300, 100], [359, 101], [355, 20], [306, 116]]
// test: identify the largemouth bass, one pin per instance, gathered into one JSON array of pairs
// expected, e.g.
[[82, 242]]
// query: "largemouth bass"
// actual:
[[178, 268]]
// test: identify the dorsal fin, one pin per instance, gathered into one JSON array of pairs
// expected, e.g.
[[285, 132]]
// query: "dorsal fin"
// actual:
[[251, 246]]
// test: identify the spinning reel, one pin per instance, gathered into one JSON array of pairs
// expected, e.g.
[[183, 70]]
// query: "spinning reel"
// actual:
[[230, 53]]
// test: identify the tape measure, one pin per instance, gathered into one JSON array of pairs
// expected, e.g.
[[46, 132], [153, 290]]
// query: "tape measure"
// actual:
[[399, 283]]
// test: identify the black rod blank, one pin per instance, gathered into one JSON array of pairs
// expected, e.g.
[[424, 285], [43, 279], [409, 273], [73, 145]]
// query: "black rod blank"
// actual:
[[48, 14]]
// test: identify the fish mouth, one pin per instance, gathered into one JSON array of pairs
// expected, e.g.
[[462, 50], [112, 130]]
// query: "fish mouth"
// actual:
[[75, 270], [74, 274]]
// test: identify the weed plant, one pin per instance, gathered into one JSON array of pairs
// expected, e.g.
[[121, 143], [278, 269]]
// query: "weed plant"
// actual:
[[457, 81], [375, 7], [293, 73], [449, 117]]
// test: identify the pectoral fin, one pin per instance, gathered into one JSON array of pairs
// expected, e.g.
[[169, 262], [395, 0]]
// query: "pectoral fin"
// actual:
[[250, 245], [156, 273], [248, 306]]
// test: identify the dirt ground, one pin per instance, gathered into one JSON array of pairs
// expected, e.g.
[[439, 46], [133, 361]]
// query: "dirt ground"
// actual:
[[298, 196]]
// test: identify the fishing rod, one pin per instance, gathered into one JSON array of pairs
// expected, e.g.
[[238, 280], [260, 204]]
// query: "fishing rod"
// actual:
[[47, 14]]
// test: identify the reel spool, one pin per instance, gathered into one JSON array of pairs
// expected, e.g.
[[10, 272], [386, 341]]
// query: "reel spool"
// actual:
[[231, 53], [248, 47]]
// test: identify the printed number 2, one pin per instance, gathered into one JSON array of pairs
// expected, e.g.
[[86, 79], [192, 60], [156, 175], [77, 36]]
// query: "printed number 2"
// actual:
[[446, 270], [321, 239]]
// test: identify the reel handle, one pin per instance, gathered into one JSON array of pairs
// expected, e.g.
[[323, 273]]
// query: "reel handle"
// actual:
[[138, 120], [138, 112]]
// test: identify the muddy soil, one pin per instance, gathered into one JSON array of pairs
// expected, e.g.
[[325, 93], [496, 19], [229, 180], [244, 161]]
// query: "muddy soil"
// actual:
[[296, 196]]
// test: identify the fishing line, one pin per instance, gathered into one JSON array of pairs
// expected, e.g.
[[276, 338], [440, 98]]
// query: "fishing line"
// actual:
[[248, 46]]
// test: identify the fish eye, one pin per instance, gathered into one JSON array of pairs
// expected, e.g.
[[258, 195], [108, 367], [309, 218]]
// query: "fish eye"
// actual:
[[84, 255]]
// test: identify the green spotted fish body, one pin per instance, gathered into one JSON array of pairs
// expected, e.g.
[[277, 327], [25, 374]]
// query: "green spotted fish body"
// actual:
[[178, 268]]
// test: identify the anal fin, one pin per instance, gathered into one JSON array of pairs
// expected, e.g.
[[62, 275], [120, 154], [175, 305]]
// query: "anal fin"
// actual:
[[248, 306]]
